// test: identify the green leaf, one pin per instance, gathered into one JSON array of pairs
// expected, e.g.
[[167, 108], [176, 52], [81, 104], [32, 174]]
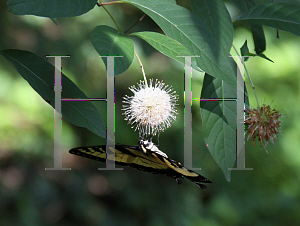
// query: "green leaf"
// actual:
[[219, 121], [245, 50], [188, 29], [256, 29], [164, 44], [215, 114], [216, 17], [52, 8], [264, 57], [258, 37], [283, 16], [109, 42], [243, 5], [40, 76]]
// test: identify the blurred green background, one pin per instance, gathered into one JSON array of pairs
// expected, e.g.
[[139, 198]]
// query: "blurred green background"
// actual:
[[29, 195]]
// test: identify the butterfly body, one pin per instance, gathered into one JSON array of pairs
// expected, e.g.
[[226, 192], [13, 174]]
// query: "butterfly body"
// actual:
[[146, 156]]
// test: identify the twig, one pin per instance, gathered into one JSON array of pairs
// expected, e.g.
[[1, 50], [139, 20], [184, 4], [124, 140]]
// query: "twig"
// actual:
[[108, 3], [135, 24], [102, 4], [253, 87], [141, 68]]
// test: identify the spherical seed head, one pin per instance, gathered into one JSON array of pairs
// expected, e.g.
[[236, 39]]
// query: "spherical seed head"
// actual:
[[263, 122], [152, 108]]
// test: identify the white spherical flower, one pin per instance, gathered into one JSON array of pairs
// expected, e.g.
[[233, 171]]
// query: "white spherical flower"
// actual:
[[151, 109]]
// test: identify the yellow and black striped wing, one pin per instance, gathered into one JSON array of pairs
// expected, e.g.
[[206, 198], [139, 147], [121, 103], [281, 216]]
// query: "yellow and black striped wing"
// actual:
[[180, 171], [133, 157]]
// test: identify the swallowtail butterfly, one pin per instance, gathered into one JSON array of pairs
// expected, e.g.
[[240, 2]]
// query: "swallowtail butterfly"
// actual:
[[146, 156]]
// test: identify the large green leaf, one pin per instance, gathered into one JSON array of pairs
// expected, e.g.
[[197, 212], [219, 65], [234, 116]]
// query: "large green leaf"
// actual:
[[165, 45], [219, 121], [50, 8], [40, 76], [110, 42], [188, 29], [283, 16], [218, 118], [216, 17]]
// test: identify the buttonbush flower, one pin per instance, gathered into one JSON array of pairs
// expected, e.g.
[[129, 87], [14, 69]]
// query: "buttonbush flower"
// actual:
[[151, 109], [263, 122]]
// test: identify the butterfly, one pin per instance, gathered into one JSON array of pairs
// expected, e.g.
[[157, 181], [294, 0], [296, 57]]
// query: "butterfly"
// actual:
[[145, 156]]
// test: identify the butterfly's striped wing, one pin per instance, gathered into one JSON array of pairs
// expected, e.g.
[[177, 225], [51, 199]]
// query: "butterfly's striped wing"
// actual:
[[180, 171], [149, 161], [124, 155]]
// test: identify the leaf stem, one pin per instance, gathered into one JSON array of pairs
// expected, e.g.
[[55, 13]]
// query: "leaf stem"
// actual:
[[253, 87], [109, 3], [145, 79], [135, 24]]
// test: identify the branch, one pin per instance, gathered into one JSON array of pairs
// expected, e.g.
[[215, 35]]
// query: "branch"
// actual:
[[135, 24]]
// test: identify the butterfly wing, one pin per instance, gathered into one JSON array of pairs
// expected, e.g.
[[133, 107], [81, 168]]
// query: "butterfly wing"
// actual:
[[150, 161], [124, 155], [180, 171]]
